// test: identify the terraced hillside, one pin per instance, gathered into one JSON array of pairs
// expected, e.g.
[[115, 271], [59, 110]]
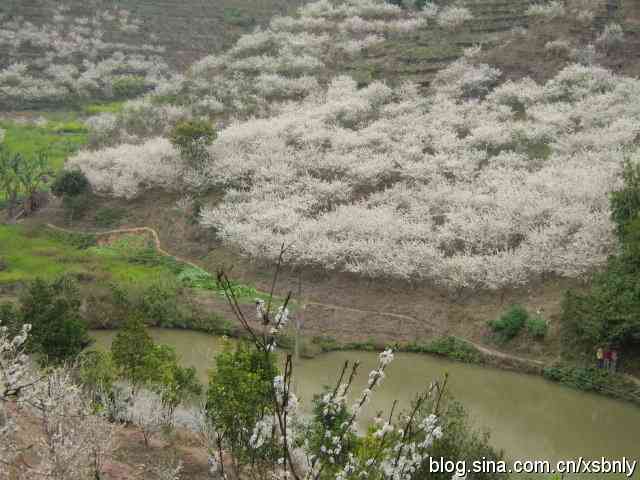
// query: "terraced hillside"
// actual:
[[525, 53], [187, 28], [192, 28], [418, 57]]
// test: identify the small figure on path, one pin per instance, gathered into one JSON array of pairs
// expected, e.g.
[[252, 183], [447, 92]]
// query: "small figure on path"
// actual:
[[600, 357], [607, 359], [614, 360]]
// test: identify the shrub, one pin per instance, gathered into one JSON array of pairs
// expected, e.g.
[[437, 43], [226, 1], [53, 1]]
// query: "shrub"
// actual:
[[130, 350], [191, 138], [593, 379], [58, 332], [129, 86], [70, 183], [450, 347], [187, 132], [461, 442], [98, 372], [239, 394], [625, 203], [537, 326], [510, 323]]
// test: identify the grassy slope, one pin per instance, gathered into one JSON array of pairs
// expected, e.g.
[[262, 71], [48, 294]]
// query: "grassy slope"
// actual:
[[30, 253], [59, 139]]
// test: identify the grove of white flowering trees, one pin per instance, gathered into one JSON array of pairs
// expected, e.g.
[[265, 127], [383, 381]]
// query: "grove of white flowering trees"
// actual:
[[69, 58], [291, 59], [475, 183]]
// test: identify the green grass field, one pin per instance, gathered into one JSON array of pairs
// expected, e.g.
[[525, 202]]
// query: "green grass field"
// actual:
[[29, 253], [60, 138]]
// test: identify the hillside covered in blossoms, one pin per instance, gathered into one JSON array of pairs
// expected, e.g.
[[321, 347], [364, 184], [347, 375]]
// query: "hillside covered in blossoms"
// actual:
[[475, 181], [303, 239]]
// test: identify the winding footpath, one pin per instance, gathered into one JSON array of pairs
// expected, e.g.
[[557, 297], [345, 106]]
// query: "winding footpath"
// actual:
[[487, 351]]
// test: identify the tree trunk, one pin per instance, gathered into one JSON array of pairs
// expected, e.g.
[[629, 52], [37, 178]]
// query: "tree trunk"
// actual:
[[11, 208]]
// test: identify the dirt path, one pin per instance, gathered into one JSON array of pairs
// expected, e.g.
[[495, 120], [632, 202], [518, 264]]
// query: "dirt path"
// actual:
[[487, 351]]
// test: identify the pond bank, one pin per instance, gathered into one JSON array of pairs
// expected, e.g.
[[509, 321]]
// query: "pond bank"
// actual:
[[529, 417]]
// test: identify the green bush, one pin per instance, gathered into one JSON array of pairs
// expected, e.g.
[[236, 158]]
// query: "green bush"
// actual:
[[462, 442], [625, 203], [609, 313], [191, 138], [130, 350], [593, 379], [510, 323], [70, 183], [239, 394], [450, 347], [98, 372], [129, 86], [58, 332], [537, 326], [326, 343], [10, 318], [193, 277]]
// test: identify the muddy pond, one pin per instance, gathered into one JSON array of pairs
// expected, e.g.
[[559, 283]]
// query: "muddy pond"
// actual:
[[529, 417]]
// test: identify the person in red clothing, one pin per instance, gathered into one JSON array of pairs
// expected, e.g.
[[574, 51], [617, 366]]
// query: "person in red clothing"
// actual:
[[607, 359], [614, 360]]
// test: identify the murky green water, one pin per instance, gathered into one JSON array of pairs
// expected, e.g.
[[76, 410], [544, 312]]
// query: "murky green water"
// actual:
[[529, 417]]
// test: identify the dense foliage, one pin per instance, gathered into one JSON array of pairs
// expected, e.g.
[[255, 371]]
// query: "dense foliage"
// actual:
[[70, 183], [609, 313], [239, 394], [514, 320], [58, 332], [192, 138], [22, 176]]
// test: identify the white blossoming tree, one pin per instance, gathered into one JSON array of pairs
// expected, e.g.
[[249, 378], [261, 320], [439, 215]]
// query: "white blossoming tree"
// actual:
[[71, 442]]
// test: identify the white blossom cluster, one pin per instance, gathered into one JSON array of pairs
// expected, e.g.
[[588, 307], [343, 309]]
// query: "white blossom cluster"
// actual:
[[16, 374], [400, 461], [456, 190], [71, 58], [474, 185], [72, 442], [287, 61], [127, 170], [453, 17], [549, 10]]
